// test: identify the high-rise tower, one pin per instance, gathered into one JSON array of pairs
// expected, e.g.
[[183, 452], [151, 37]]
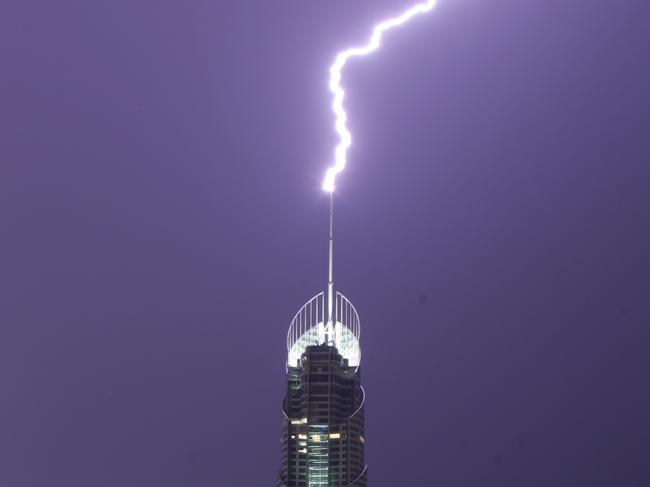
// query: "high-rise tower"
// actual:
[[323, 408]]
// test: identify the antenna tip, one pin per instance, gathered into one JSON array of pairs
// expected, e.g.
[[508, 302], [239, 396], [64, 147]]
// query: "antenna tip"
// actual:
[[328, 183]]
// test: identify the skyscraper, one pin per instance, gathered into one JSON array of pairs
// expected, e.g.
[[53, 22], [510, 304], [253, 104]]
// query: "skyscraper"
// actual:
[[323, 409]]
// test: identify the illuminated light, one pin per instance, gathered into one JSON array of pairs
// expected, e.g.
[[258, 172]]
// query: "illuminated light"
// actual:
[[293, 437], [363, 440], [296, 421], [302, 450], [335, 436], [316, 437], [345, 137], [302, 437]]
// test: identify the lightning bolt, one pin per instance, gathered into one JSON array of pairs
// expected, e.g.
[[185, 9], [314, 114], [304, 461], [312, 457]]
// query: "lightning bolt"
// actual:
[[345, 137]]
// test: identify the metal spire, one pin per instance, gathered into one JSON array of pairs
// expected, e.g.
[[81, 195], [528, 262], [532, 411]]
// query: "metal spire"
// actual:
[[329, 329]]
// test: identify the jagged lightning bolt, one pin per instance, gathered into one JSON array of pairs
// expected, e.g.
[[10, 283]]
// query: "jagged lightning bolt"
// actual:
[[345, 138]]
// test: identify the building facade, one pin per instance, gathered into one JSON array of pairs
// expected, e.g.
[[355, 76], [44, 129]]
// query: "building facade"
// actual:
[[323, 408]]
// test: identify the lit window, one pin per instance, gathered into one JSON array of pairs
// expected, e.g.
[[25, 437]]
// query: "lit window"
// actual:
[[363, 440], [335, 436], [302, 437]]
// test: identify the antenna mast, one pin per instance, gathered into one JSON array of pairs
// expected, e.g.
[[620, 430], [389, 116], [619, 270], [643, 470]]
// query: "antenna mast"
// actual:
[[329, 334]]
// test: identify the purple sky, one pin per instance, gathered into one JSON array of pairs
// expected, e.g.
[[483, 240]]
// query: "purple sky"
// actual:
[[162, 220]]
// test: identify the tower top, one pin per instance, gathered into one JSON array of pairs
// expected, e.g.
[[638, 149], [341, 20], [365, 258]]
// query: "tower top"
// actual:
[[308, 328]]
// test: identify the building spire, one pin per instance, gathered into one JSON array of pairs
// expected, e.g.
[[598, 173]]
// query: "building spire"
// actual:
[[329, 328]]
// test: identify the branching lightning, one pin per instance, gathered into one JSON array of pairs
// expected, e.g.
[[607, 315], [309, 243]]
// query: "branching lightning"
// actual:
[[345, 137]]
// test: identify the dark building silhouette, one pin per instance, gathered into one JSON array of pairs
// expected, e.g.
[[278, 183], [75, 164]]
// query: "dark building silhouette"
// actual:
[[323, 409]]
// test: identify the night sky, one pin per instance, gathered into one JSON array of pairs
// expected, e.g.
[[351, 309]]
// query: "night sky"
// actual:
[[162, 220]]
